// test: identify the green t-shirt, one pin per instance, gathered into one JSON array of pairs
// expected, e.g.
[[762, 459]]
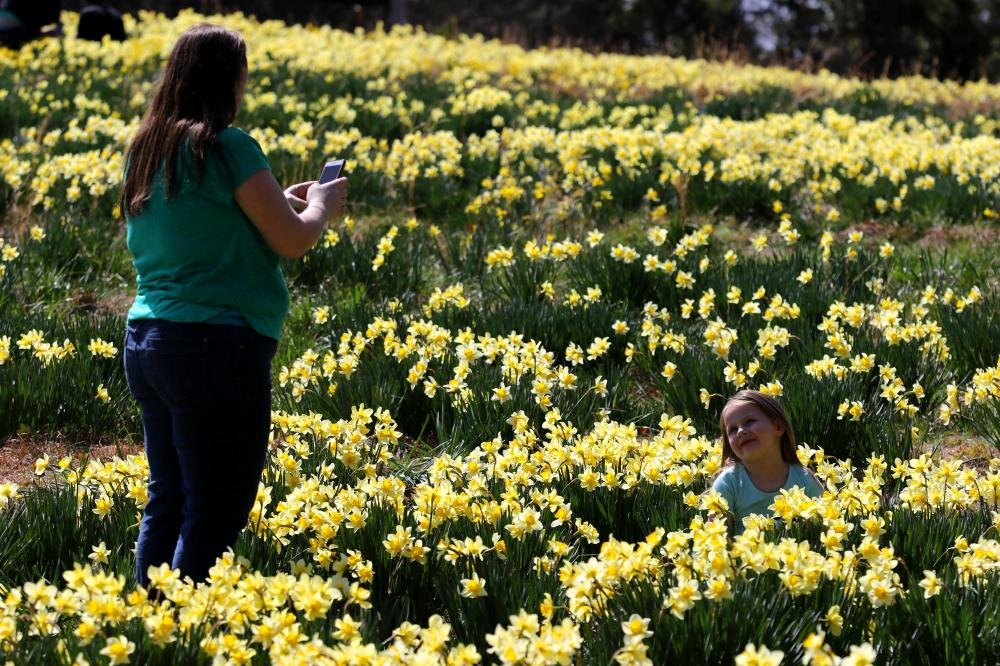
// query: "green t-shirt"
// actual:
[[197, 256], [744, 498]]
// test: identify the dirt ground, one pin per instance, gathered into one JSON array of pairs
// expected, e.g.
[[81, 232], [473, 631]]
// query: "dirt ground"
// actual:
[[18, 454]]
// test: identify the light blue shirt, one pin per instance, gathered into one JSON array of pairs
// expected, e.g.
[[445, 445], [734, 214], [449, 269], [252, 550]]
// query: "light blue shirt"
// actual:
[[744, 498]]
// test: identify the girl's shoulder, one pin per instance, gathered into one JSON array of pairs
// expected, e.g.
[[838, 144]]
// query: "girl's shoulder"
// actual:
[[728, 476], [800, 475]]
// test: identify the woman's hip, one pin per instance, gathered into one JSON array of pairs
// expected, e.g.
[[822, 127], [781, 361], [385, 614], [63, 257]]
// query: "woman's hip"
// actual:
[[184, 363]]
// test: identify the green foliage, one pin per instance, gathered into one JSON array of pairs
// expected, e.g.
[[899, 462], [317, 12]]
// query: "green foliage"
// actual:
[[760, 612], [44, 534], [752, 105], [60, 397]]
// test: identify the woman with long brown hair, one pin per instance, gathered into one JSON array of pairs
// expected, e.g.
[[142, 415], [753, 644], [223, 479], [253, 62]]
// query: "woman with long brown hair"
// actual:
[[206, 225]]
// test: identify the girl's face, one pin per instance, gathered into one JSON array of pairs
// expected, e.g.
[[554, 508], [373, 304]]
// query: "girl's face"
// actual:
[[752, 434]]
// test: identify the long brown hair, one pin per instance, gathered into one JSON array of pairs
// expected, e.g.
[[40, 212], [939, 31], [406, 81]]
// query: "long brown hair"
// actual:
[[775, 412], [196, 98]]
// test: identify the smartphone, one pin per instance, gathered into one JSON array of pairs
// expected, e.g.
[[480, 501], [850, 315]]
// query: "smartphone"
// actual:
[[331, 171]]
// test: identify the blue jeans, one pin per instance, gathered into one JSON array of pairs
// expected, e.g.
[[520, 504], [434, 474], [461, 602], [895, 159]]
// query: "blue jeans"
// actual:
[[205, 395]]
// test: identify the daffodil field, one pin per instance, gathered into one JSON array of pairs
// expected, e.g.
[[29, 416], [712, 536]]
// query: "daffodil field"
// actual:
[[497, 395]]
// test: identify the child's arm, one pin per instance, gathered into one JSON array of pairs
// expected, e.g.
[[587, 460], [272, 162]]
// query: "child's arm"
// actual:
[[814, 487], [725, 485], [730, 522]]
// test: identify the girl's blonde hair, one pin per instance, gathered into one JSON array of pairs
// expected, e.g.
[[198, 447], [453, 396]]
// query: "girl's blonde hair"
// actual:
[[774, 411]]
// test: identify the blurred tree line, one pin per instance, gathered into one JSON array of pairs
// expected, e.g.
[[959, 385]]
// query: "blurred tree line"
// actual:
[[946, 38]]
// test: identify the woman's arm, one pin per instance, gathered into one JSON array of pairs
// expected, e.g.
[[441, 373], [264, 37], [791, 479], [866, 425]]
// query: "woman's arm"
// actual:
[[288, 233]]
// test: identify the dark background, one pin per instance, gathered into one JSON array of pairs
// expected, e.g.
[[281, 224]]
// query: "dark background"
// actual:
[[945, 38]]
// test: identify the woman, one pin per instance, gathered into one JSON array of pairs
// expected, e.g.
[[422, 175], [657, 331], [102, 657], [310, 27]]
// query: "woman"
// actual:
[[206, 224]]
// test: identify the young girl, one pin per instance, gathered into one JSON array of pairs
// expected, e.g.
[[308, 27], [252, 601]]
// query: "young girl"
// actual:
[[758, 456]]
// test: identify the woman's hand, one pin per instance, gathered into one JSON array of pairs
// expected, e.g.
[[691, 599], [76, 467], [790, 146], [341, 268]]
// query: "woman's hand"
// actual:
[[296, 195], [271, 210], [330, 197]]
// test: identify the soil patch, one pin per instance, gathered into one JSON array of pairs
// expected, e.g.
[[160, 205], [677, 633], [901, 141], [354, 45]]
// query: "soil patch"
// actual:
[[972, 450], [18, 454]]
